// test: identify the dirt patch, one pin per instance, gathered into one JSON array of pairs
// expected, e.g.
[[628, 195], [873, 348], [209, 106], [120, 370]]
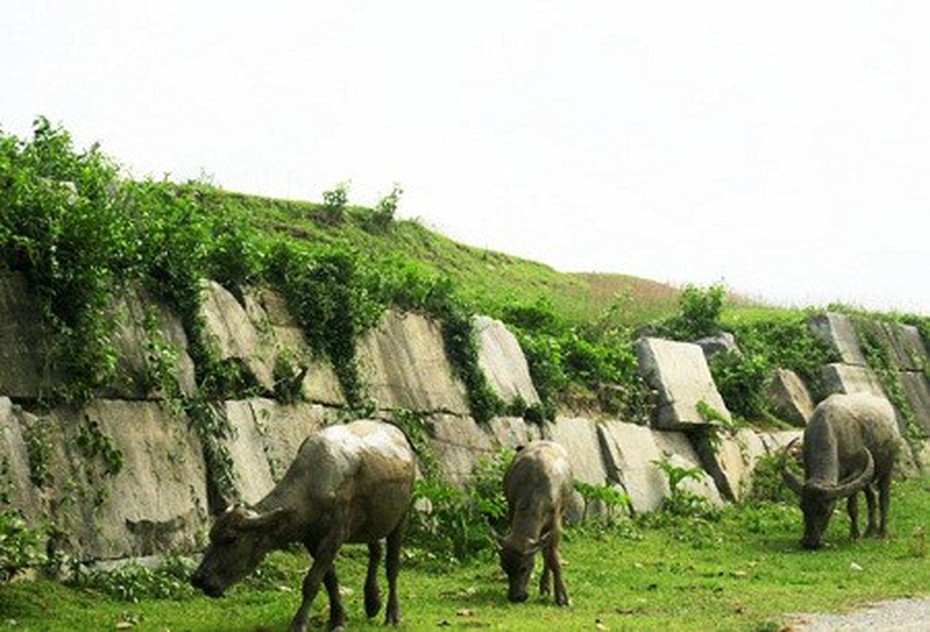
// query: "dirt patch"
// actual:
[[885, 616]]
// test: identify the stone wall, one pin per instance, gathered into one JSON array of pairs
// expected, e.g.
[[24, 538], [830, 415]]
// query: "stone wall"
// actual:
[[59, 466]]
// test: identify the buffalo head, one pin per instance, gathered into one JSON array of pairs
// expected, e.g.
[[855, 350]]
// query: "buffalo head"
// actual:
[[818, 498], [239, 541], [517, 563]]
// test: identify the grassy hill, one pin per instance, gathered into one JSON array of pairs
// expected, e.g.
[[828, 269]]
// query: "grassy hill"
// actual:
[[490, 280]]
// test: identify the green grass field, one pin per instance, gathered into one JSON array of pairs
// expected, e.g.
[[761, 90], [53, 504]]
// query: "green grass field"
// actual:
[[743, 572]]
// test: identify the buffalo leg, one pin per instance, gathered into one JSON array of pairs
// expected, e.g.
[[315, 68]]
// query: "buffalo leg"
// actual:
[[884, 500], [372, 592], [323, 557], [545, 579], [551, 553], [872, 529], [337, 614], [310, 588], [394, 541], [852, 508]]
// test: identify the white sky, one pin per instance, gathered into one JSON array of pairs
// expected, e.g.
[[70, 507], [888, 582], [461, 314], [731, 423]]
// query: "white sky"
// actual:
[[781, 148]]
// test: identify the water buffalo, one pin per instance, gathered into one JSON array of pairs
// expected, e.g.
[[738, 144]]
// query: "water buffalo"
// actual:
[[348, 483], [850, 444], [538, 487]]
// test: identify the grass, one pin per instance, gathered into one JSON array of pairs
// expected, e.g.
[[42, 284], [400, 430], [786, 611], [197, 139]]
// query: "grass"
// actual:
[[662, 573]]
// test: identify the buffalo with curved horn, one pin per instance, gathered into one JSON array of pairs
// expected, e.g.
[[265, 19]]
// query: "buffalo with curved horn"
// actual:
[[850, 445]]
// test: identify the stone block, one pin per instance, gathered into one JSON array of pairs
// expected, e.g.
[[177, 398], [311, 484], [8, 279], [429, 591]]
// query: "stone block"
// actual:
[[457, 443], [403, 362], [838, 331], [236, 336], [847, 378], [122, 479], [158, 500], [677, 449], [910, 351], [917, 391], [144, 328], [16, 487], [679, 374], [724, 342], [729, 458], [267, 310], [266, 438], [903, 343], [251, 468], [581, 440], [502, 361], [513, 432], [789, 398], [632, 454]]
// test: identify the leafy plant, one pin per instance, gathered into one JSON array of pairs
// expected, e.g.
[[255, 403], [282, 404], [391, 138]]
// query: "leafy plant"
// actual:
[[682, 502], [767, 483], [20, 546], [383, 215], [134, 582], [39, 447], [699, 316], [457, 524], [607, 498], [93, 443], [335, 201]]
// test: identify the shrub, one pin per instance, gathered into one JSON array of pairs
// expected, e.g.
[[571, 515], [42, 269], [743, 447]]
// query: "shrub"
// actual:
[[699, 313], [383, 215], [682, 502], [458, 525]]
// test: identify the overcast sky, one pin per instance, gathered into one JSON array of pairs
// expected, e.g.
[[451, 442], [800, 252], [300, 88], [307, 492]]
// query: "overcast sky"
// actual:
[[780, 148]]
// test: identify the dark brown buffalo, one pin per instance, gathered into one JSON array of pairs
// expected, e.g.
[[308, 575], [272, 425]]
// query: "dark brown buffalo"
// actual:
[[850, 445], [348, 483], [538, 487]]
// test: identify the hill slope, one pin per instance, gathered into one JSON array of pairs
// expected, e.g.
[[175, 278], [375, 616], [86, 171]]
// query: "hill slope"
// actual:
[[489, 279]]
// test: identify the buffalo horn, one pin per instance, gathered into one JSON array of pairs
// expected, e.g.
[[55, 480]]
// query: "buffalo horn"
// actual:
[[854, 483], [791, 479]]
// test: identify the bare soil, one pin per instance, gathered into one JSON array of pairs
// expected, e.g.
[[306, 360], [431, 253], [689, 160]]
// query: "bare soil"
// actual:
[[884, 616]]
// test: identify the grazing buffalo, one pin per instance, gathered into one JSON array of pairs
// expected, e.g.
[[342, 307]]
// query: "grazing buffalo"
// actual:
[[850, 444], [348, 483], [538, 487]]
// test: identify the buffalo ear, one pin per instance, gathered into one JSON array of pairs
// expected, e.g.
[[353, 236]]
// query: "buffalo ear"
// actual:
[[536, 545]]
